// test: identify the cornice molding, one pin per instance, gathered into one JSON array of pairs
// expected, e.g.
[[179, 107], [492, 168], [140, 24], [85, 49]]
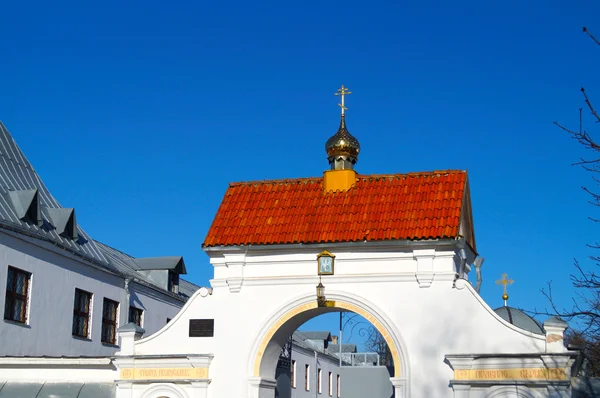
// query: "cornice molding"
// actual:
[[336, 279]]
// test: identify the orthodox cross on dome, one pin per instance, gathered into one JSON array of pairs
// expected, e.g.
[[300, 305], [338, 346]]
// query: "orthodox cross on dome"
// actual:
[[343, 91], [504, 282]]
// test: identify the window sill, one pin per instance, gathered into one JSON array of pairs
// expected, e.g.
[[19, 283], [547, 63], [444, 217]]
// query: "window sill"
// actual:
[[17, 323], [105, 344], [81, 338]]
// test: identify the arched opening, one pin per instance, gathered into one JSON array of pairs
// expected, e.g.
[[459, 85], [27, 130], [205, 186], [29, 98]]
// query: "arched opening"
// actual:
[[275, 335], [164, 390]]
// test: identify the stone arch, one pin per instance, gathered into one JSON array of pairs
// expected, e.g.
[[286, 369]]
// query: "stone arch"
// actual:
[[289, 317], [164, 390], [511, 391]]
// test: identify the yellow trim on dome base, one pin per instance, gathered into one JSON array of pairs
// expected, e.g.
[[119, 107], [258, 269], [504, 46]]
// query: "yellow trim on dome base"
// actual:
[[338, 180]]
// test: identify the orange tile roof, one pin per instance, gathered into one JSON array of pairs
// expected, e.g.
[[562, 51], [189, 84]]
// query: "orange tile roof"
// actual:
[[379, 207]]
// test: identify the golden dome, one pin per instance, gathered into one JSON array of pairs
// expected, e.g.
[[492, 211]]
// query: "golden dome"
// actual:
[[342, 143]]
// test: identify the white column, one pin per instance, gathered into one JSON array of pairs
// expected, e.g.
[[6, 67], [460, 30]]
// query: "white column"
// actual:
[[461, 390], [261, 387], [124, 389], [200, 389], [235, 270], [400, 385], [128, 334], [555, 329]]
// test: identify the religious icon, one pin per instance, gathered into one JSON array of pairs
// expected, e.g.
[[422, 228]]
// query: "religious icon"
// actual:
[[325, 261]]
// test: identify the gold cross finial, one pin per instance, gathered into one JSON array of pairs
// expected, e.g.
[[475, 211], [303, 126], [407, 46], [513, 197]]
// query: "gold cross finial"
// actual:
[[343, 91], [504, 282]]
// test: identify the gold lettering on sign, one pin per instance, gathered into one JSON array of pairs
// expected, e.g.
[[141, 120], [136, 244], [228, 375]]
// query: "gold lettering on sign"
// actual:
[[510, 374], [163, 373]]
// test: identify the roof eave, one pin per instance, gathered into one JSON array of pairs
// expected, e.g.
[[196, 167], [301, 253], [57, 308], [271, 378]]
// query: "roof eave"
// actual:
[[393, 243]]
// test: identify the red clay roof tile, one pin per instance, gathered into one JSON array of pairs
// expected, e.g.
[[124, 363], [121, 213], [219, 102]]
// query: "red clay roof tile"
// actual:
[[379, 207]]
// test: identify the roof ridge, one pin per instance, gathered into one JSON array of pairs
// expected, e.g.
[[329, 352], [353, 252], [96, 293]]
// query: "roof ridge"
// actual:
[[16, 150], [315, 179], [413, 173], [276, 181]]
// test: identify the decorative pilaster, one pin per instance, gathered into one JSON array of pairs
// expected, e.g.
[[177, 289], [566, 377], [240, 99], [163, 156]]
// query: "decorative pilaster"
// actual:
[[124, 389], [261, 387], [128, 334], [399, 387], [235, 263], [200, 389], [425, 272], [555, 329], [461, 390]]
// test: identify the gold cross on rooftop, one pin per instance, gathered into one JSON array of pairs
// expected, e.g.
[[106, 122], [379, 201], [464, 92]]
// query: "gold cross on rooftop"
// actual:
[[504, 282], [343, 91]]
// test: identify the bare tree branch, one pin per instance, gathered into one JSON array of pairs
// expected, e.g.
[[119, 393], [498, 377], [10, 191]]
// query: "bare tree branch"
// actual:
[[591, 36], [590, 106], [585, 305]]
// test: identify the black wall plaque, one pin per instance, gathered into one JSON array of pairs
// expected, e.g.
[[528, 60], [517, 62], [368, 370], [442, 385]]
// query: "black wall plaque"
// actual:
[[202, 327]]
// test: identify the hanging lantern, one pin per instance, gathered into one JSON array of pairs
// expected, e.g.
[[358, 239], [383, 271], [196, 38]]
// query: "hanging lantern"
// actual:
[[321, 294]]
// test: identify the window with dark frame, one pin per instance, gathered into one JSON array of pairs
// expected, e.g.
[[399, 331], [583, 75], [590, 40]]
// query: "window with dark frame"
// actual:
[[135, 316], [110, 309], [319, 385], [17, 295], [307, 377], [81, 313], [339, 386], [330, 384]]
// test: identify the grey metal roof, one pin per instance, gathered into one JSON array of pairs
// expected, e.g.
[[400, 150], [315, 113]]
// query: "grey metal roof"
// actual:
[[317, 335], [123, 262], [335, 348], [17, 174], [20, 184], [519, 319], [187, 288], [299, 339], [174, 263]]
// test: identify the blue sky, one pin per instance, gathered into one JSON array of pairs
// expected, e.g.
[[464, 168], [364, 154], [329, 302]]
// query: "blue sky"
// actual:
[[139, 114]]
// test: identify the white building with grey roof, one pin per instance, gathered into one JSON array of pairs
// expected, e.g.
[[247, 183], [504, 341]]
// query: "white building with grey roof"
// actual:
[[66, 293], [309, 366]]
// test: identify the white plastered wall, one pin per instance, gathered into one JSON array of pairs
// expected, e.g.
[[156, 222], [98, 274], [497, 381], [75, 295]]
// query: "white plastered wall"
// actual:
[[48, 330], [410, 289]]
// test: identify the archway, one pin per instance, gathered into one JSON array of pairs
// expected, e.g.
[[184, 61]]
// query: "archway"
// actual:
[[164, 390], [269, 342]]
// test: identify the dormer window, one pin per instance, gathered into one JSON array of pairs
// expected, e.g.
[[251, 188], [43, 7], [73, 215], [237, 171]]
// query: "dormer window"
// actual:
[[162, 271], [173, 282], [64, 221], [26, 204]]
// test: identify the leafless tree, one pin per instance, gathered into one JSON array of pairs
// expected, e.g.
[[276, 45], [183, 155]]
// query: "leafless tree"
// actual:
[[585, 307], [376, 343]]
